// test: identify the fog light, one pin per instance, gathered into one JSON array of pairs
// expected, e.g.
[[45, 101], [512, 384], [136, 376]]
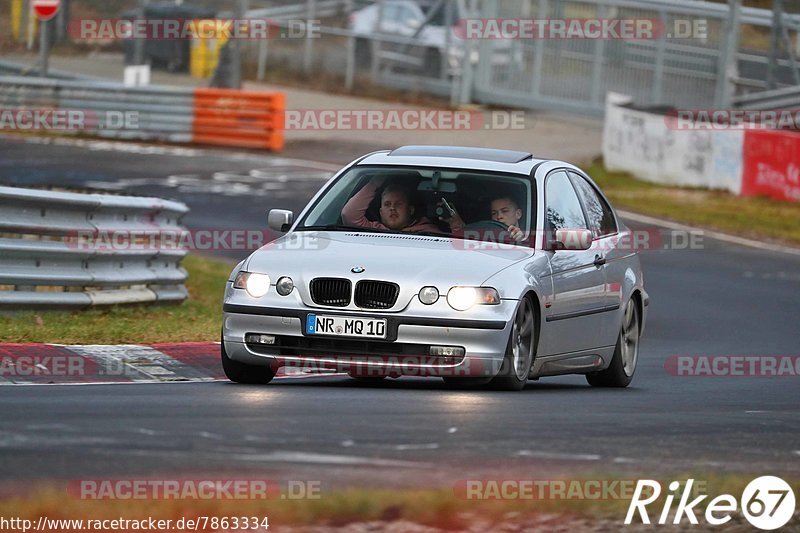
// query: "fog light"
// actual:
[[429, 295], [257, 338], [447, 351], [285, 286]]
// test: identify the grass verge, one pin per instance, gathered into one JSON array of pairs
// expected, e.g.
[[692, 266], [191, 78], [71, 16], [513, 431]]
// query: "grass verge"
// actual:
[[197, 319], [756, 217], [442, 508]]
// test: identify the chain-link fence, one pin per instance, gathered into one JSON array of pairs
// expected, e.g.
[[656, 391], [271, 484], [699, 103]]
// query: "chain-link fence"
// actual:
[[701, 55]]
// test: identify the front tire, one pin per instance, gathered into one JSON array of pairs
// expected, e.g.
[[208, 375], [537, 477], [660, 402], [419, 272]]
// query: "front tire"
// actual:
[[243, 373], [626, 353], [513, 375]]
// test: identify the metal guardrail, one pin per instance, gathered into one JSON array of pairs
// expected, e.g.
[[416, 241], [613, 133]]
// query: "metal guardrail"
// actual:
[[322, 8], [154, 113], [10, 68], [785, 98], [67, 250]]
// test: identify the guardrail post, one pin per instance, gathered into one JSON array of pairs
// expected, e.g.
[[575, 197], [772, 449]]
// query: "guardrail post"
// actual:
[[467, 78], [777, 8], [139, 44], [658, 68], [597, 60], [31, 24], [377, 45], [350, 69], [308, 50], [44, 47], [263, 55], [236, 49], [538, 54], [727, 65]]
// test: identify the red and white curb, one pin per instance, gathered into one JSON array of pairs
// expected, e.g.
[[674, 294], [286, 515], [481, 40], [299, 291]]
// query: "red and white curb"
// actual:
[[36, 364]]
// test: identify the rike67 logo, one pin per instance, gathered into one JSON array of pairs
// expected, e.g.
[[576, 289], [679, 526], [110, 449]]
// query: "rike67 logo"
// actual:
[[767, 502]]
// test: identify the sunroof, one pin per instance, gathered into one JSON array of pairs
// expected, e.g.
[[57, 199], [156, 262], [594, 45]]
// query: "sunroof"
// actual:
[[463, 152]]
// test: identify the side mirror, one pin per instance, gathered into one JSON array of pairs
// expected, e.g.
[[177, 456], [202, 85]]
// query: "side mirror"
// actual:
[[572, 239], [280, 220]]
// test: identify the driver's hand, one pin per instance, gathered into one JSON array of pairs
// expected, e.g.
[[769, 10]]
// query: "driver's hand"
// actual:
[[516, 233]]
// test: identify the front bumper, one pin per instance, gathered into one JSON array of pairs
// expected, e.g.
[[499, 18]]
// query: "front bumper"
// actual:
[[483, 333]]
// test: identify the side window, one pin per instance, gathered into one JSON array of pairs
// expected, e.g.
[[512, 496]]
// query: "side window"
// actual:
[[563, 209], [601, 218], [391, 13], [407, 14]]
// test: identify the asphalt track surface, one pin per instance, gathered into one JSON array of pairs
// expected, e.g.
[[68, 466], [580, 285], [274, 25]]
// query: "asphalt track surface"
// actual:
[[723, 299]]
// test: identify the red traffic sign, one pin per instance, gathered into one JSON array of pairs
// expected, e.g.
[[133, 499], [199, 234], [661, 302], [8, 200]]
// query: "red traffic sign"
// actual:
[[46, 9]]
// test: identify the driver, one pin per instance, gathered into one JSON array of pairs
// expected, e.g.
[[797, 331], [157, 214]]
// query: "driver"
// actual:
[[506, 210], [396, 211]]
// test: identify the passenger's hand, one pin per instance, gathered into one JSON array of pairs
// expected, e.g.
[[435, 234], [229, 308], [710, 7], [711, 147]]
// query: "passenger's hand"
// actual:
[[454, 220], [377, 181]]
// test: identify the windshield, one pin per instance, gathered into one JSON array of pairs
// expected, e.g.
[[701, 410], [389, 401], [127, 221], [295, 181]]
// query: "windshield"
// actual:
[[427, 201]]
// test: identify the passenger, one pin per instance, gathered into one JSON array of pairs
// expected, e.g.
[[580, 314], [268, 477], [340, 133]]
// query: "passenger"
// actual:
[[396, 211]]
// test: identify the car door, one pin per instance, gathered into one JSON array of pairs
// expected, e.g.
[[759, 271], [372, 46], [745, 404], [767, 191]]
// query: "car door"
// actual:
[[576, 316], [393, 23], [603, 223]]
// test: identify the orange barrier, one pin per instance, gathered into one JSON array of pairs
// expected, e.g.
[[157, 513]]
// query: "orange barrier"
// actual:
[[243, 119]]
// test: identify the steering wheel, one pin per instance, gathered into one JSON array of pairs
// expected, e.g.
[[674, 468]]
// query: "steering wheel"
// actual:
[[486, 225]]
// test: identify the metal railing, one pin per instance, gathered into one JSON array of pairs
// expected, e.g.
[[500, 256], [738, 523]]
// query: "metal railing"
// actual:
[[322, 8], [555, 74], [152, 113], [73, 250], [785, 98], [11, 68]]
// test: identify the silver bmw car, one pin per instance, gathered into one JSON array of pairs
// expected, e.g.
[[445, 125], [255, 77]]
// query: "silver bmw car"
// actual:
[[478, 266]]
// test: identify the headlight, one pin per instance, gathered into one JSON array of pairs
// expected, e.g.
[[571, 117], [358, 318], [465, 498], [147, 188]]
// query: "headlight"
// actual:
[[429, 295], [462, 298], [256, 285], [285, 286]]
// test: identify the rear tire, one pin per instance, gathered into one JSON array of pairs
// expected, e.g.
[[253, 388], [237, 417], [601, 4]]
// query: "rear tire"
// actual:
[[626, 353], [520, 351], [243, 373]]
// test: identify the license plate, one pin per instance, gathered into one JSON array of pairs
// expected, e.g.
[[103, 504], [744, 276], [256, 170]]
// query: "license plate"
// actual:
[[345, 326]]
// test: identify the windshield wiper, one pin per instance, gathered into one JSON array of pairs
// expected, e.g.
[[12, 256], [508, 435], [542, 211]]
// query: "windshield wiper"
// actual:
[[341, 227], [432, 234]]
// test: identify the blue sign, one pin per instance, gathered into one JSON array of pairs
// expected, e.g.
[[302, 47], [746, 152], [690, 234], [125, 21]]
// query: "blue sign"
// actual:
[[311, 324]]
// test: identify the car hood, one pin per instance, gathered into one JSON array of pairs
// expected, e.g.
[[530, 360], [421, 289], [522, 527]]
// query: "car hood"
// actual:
[[412, 261]]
